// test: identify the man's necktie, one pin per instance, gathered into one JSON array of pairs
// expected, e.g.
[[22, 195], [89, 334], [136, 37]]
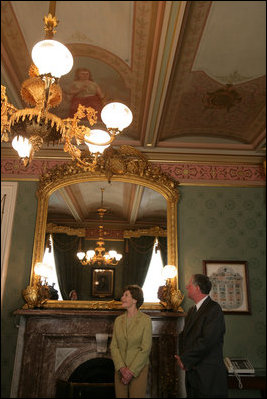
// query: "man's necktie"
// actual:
[[194, 310]]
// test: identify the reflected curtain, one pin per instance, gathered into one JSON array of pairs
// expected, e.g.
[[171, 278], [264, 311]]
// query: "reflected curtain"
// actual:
[[163, 249], [47, 242], [138, 252], [70, 272]]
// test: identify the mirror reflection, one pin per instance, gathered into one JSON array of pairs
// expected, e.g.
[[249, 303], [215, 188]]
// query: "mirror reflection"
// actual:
[[101, 217]]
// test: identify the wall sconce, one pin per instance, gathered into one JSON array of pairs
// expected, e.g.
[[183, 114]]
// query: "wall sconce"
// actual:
[[170, 298], [37, 294]]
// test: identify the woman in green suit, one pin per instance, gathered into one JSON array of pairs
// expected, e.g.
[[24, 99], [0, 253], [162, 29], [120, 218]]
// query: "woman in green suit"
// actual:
[[131, 345]]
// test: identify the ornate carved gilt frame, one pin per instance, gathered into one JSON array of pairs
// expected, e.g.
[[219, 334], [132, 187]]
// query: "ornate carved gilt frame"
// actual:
[[124, 164]]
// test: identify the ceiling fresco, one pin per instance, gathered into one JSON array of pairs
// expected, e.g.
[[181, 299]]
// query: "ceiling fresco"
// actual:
[[192, 72]]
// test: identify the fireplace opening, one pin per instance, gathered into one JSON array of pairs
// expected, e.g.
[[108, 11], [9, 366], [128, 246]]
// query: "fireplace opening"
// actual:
[[93, 378]]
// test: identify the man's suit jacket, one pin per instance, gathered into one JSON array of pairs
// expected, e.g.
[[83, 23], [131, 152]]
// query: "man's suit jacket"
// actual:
[[131, 342], [201, 350]]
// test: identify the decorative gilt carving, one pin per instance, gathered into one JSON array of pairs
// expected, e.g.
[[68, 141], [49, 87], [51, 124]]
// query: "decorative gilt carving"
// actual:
[[35, 295], [124, 164], [54, 228], [154, 231], [170, 298], [126, 161]]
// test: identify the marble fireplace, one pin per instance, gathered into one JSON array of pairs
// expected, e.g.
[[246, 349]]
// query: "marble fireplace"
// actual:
[[54, 344]]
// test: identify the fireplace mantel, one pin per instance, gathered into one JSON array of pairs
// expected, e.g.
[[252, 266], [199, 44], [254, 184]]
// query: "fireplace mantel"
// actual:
[[52, 343]]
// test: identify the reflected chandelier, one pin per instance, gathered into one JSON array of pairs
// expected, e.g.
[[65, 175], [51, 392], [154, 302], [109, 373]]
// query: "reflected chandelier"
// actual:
[[99, 255], [29, 128]]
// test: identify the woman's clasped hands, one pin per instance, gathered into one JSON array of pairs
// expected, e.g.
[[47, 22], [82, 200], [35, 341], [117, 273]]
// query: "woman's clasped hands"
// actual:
[[126, 375]]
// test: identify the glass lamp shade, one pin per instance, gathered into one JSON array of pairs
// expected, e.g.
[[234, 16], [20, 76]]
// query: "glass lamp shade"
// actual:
[[112, 254], [52, 57], [97, 137], [42, 269], [22, 146], [116, 116], [90, 254], [80, 255], [169, 271]]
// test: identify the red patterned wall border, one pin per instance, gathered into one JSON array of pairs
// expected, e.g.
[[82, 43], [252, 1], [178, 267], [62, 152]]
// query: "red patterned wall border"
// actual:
[[190, 173], [216, 174], [13, 169]]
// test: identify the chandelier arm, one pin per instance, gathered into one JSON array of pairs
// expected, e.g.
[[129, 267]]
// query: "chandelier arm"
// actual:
[[42, 91]]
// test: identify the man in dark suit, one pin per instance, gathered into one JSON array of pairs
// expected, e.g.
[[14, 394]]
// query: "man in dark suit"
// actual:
[[201, 343]]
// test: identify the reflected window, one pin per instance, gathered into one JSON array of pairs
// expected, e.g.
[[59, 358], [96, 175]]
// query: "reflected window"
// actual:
[[50, 260], [153, 278]]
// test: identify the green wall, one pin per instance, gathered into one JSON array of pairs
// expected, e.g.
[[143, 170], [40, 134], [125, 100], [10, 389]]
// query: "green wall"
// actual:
[[18, 275], [214, 223], [225, 223]]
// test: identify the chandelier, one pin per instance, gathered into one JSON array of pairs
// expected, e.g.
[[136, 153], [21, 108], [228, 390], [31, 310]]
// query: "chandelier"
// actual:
[[99, 255], [29, 128]]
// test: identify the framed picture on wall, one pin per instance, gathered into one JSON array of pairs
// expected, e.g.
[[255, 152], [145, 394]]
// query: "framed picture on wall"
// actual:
[[102, 282], [229, 285]]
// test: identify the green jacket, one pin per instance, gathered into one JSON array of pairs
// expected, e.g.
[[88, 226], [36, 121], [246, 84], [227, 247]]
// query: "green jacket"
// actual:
[[131, 343]]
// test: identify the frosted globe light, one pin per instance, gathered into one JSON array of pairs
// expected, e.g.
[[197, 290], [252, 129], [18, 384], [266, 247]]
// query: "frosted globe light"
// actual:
[[97, 137], [22, 146], [51, 56], [169, 271], [116, 116], [112, 254], [90, 254], [42, 269], [80, 255]]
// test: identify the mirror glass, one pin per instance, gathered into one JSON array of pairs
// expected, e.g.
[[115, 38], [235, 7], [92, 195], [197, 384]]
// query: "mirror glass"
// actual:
[[137, 196], [127, 207]]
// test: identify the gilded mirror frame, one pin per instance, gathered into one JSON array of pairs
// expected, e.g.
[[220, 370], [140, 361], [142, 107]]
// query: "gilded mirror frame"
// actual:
[[124, 164]]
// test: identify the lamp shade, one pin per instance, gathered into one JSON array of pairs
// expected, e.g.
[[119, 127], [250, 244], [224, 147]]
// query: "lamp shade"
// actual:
[[80, 255], [98, 137], [90, 253], [116, 116], [169, 271], [22, 146], [42, 269], [51, 56]]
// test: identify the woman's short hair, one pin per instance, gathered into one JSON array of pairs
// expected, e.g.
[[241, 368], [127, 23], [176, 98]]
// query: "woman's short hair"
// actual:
[[203, 282], [137, 293]]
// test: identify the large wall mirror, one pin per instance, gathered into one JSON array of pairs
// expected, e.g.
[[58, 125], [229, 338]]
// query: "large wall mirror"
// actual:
[[139, 198]]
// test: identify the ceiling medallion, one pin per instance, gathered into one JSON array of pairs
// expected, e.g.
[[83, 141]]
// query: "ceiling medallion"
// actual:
[[226, 98]]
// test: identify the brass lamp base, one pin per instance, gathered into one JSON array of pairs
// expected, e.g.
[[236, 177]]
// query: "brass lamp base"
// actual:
[[170, 298], [35, 296]]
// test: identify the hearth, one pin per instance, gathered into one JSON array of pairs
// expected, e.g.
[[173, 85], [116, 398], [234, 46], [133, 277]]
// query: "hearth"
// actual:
[[93, 378]]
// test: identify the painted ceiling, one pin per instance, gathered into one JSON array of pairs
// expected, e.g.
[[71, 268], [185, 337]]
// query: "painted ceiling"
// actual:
[[192, 72]]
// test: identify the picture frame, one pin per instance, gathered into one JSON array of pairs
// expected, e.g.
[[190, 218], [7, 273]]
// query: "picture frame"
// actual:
[[229, 285], [102, 282]]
